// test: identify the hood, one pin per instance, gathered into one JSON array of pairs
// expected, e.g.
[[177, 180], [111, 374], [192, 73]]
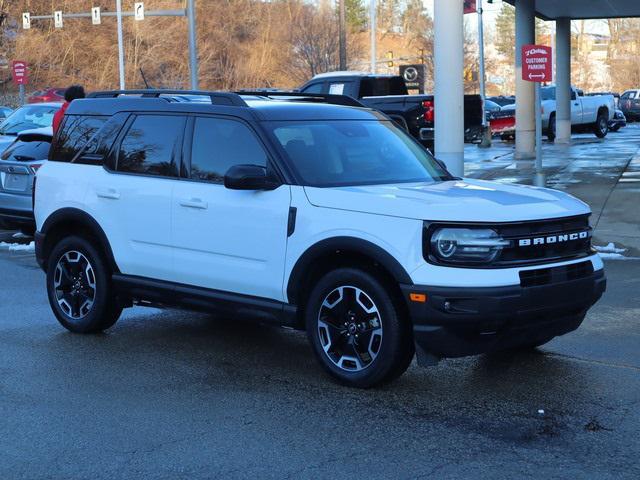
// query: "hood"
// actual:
[[457, 201]]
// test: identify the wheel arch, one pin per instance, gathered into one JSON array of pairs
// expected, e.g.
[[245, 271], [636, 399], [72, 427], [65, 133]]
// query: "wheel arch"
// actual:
[[341, 251], [74, 221]]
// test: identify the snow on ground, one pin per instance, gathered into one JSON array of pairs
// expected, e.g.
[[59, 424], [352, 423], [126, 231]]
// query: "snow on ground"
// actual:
[[18, 247], [611, 252]]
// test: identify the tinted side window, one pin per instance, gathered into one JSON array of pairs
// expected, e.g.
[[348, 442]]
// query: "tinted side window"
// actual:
[[152, 146], [27, 151], [75, 132], [314, 88], [218, 144]]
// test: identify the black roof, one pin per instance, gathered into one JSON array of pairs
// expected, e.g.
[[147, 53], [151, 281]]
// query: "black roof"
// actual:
[[250, 106]]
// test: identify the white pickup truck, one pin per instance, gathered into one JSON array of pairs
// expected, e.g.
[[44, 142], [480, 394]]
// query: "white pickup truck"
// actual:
[[588, 114]]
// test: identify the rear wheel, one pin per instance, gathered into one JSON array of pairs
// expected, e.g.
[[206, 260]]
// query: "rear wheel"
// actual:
[[79, 287], [601, 127], [357, 329]]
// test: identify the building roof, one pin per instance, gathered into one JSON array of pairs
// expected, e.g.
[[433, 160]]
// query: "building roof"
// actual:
[[585, 9]]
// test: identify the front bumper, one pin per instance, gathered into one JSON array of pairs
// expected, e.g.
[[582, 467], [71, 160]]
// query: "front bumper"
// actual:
[[456, 322]]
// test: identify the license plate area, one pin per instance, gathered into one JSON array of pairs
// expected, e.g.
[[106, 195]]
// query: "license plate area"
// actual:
[[15, 182]]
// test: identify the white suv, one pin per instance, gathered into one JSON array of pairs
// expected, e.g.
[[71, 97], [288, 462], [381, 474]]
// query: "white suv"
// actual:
[[304, 212]]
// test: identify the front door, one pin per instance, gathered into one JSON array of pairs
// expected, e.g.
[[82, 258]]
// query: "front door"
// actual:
[[228, 240]]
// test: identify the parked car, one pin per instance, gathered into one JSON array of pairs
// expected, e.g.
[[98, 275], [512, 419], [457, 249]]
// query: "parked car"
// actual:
[[5, 112], [389, 94], [47, 95], [503, 100], [26, 117], [619, 121], [18, 166], [588, 113], [630, 104], [323, 217]]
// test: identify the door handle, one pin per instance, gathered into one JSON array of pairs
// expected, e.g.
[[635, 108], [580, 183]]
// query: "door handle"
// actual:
[[110, 193], [194, 203]]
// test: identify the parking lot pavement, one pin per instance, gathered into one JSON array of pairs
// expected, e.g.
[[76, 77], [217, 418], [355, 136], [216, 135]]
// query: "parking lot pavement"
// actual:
[[603, 173], [178, 395]]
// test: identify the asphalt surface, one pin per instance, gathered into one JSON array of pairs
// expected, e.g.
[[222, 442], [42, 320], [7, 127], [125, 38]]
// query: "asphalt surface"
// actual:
[[180, 395]]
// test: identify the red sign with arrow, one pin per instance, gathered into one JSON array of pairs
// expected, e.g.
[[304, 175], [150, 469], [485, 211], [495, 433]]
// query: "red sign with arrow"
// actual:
[[19, 72], [536, 63]]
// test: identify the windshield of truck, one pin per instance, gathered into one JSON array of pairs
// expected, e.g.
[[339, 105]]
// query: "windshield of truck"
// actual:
[[329, 153], [548, 93], [28, 117]]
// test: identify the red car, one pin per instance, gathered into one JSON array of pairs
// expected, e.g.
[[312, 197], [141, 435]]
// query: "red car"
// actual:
[[47, 95]]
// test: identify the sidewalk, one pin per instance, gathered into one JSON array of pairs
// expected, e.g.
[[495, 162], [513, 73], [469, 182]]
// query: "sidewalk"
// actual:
[[603, 173]]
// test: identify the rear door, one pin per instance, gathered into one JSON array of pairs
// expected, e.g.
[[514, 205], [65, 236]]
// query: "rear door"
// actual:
[[131, 197], [228, 240]]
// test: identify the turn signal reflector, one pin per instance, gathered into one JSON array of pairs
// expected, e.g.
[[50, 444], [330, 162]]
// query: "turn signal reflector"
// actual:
[[418, 297]]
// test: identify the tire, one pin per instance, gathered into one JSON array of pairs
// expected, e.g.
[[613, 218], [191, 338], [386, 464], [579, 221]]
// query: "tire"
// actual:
[[79, 287], [551, 130], [615, 128], [369, 341], [601, 127]]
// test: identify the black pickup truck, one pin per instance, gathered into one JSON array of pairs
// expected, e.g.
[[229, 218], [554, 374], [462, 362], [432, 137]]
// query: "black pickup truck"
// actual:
[[389, 94]]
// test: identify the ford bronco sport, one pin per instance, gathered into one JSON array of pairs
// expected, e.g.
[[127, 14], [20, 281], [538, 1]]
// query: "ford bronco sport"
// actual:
[[307, 213]]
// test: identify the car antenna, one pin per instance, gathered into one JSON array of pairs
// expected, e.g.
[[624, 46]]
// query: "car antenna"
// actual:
[[144, 79]]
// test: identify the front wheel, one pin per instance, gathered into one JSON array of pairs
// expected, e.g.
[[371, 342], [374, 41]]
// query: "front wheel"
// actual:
[[358, 330], [601, 127], [79, 287]]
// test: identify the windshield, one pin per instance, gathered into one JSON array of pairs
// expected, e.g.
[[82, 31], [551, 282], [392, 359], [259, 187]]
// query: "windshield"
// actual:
[[328, 153], [548, 93], [28, 117]]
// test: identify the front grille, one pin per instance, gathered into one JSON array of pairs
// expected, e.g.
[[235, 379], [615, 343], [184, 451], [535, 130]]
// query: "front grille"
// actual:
[[531, 243], [557, 239], [564, 273]]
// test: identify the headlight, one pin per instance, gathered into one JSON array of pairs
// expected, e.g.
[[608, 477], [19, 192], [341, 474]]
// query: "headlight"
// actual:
[[466, 245]]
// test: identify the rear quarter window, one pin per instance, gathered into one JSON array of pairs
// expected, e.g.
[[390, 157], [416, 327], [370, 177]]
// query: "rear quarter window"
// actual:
[[75, 132]]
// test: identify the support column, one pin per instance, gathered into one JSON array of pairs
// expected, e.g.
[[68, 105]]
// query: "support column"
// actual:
[[563, 80], [525, 91], [449, 86]]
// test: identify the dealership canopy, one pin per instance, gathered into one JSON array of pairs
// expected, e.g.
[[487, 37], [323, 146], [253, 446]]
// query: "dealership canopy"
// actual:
[[449, 67]]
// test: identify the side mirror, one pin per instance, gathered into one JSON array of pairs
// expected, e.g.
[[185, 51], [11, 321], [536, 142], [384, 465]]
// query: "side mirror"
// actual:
[[249, 177]]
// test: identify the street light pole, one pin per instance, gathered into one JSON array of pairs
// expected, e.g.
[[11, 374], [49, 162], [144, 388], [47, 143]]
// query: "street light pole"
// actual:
[[372, 28], [120, 43], [193, 48]]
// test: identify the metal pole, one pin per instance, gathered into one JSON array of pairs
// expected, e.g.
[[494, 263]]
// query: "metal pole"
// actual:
[[21, 93], [372, 28], [120, 43], [193, 46], [539, 180], [343, 36], [486, 134]]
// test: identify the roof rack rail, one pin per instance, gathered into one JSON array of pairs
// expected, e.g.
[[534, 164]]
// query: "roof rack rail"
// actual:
[[310, 97], [217, 98]]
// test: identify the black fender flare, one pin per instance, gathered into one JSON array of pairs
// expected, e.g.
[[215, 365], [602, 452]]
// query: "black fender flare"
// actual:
[[343, 244], [77, 216]]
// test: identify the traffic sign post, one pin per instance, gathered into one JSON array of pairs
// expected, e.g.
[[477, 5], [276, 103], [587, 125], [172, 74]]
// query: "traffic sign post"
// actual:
[[536, 67], [138, 14]]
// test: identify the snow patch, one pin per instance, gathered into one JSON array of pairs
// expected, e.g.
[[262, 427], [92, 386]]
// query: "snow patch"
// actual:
[[18, 247], [609, 248], [19, 235], [611, 252]]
